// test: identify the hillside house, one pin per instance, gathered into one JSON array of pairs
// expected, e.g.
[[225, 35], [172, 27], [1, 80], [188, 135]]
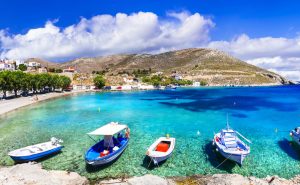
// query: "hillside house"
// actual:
[[69, 70]]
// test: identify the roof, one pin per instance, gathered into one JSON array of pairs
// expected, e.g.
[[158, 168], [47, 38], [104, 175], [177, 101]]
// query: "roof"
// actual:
[[108, 129]]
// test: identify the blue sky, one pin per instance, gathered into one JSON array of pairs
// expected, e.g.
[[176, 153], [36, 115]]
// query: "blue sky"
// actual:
[[257, 18], [265, 33]]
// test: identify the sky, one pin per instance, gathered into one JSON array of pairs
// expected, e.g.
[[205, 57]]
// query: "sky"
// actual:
[[264, 33]]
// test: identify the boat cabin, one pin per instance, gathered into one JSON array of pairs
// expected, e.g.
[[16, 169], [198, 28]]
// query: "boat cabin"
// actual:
[[229, 138]]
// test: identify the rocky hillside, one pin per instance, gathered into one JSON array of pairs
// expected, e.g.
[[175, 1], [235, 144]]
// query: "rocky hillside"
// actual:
[[211, 66]]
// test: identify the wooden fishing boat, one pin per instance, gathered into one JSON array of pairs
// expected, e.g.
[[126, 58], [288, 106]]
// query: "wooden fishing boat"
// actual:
[[34, 152], [161, 149], [230, 146], [110, 147]]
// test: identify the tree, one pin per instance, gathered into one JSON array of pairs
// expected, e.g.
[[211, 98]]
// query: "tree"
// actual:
[[66, 82], [99, 81], [22, 67], [16, 78], [5, 82]]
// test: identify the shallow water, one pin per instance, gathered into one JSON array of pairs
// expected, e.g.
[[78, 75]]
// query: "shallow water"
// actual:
[[255, 112]]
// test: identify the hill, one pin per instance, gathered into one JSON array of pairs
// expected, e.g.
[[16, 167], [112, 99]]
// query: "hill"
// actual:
[[212, 66]]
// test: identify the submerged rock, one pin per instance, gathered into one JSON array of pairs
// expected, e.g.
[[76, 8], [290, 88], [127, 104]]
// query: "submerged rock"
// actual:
[[33, 174]]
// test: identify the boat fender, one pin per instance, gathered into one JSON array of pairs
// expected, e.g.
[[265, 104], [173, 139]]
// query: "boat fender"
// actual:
[[127, 133], [217, 139], [291, 133], [217, 149], [167, 136]]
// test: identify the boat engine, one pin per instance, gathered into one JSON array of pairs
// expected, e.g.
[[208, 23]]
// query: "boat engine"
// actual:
[[55, 141]]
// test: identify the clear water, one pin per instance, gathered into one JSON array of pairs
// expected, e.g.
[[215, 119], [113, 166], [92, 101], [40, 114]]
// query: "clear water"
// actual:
[[254, 112]]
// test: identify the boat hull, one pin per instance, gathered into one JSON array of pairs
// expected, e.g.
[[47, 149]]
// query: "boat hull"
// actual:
[[295, 137], [157, 160], [36, 156], [158, 157], [107, 159], [238, 158]]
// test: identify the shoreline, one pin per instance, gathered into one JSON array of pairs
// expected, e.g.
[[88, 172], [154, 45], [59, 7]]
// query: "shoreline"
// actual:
[[7, 106], [33, 173]]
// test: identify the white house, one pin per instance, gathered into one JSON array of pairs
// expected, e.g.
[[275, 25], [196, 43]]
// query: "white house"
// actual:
[[33, 64], [196, 84], [6, 66]]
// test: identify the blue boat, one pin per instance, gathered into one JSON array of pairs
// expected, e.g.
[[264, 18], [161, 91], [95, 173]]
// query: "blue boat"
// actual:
[[35, 152], [107, 150]]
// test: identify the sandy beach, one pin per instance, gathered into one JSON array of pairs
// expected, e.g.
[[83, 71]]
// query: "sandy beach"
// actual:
[[13, 104]]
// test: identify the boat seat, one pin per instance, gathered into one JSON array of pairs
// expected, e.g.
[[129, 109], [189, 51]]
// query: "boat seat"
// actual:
[[162, 147]]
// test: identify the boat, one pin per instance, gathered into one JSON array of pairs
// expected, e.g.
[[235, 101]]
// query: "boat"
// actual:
[[34, 152], [171, 87], [229, 145], [106, 150], [161, 149], [295, 134]]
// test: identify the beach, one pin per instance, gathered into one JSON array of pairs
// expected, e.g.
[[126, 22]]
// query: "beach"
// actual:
[[16, 103]]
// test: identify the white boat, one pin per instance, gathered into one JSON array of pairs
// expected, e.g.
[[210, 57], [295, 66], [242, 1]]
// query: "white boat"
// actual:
[[161, 149], [231, 146], [34, 152], [295, 134]]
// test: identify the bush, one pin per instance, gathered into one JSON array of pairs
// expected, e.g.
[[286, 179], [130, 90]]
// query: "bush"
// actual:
[[22, 67], [99, 81]]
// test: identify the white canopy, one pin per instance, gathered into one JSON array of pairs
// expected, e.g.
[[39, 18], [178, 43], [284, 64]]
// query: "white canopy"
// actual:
[[108, 129]]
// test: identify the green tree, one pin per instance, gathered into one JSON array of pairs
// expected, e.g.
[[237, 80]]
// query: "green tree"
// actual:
[[5, 82], [17, 78], [66, 82], [99, 81], [22, 67]]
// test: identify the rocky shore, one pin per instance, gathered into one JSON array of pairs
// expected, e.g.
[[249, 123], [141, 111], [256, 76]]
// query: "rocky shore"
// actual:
[[33, 174]]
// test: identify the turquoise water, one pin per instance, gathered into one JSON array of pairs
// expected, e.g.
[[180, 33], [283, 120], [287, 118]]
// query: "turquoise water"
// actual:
[[254, 112]]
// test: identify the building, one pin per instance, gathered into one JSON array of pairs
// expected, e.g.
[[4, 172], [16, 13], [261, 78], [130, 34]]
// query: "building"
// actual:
[[69, 70], [196, 84], [177, 77], [42, 70], [33, 64], [6, 66]]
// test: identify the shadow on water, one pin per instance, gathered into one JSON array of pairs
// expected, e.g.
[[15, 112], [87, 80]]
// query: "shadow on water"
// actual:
[[148, 164], [215, 158], [290, 147], [200, 101], [90, 168]]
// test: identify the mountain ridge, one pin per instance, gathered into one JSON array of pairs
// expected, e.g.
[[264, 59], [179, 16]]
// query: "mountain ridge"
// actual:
[[197, 64]]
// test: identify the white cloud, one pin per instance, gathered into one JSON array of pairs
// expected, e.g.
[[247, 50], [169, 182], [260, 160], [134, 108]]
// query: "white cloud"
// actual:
[[145, 32], [142, 32], [281, 55]]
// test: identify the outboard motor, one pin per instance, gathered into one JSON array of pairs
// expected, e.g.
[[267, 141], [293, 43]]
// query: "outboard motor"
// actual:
[[55, 141]]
